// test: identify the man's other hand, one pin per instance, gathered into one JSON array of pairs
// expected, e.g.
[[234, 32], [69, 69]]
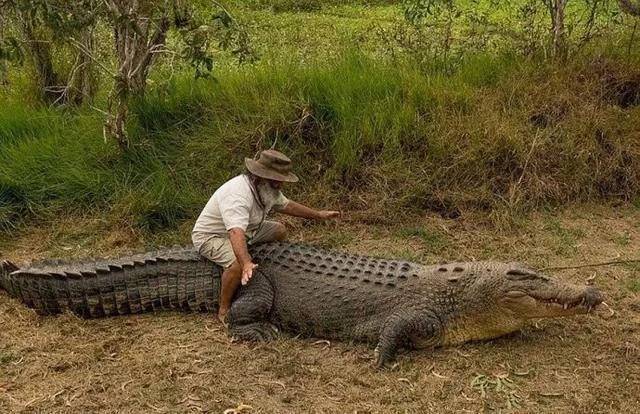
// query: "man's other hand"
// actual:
[[328, 214], [247, 272]]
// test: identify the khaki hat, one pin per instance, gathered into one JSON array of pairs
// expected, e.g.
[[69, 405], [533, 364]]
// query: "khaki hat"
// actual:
[[272, 165]]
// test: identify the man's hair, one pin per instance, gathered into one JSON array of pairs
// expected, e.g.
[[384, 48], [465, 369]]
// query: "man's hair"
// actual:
[[250, 175], [255, 179]]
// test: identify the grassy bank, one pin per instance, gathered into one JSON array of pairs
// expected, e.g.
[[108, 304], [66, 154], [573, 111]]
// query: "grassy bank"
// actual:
[[499, 134]]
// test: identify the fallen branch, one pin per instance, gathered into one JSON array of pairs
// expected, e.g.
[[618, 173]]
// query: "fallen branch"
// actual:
[[612, 262]]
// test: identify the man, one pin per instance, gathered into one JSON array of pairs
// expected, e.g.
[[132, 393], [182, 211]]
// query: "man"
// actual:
[[235, 216]]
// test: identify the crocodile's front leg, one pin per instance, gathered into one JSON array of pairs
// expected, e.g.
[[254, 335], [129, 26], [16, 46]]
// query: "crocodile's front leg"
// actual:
[[406, 327], [249, 311]]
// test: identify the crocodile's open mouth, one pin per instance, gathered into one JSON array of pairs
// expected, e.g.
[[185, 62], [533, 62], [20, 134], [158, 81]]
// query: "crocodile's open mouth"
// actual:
[[582, 304], [545, 306]]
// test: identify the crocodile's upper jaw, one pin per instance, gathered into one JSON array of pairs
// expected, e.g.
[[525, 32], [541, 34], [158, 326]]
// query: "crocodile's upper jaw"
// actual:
[[566, 302]]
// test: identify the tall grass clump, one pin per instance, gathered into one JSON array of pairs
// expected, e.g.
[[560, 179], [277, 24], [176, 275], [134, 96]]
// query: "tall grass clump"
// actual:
[[63, 166], [496, 134], [46, 160]]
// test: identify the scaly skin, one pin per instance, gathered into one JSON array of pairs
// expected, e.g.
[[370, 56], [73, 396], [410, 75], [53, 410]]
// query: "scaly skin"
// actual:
[[174, 279], [313, 292]]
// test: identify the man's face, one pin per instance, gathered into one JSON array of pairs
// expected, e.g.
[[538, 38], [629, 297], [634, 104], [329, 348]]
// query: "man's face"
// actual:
[[276, 185]]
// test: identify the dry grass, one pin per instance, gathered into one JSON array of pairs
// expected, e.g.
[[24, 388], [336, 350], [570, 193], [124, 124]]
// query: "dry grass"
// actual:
[[185, 363]]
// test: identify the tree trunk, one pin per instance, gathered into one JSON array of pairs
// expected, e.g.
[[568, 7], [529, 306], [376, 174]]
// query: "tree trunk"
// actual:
[[82, 84], [4, 80], [118, 110], [558, 32], [138, 35], [4, 70], [40, 51]]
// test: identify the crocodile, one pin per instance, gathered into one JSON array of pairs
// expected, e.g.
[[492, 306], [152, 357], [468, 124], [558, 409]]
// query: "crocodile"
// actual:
[[312, 292]]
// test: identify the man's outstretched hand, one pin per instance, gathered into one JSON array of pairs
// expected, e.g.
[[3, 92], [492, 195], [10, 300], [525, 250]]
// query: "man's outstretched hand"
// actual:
[[247, 272], [328, 214]]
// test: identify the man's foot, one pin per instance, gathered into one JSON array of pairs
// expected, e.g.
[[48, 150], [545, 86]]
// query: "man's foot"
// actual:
[[222, 317]]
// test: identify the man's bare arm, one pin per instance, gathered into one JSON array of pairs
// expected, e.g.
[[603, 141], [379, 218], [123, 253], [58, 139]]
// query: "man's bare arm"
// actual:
[[298, 210], [239, 245]]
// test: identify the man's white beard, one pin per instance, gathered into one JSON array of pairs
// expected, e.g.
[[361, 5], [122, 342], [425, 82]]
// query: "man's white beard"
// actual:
[[268, 195]]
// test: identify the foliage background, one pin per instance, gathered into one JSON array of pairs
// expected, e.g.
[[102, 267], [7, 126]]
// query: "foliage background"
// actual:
[[465, 110]]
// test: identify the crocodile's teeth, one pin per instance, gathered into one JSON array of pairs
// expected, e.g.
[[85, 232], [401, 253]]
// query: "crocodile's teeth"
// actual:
[[565, 306]]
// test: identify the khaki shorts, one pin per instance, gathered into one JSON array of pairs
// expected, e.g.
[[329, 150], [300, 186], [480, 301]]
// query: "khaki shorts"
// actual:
[[219, 250]]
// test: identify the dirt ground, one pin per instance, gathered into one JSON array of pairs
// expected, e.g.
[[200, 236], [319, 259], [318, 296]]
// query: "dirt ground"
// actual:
[[175, 362]]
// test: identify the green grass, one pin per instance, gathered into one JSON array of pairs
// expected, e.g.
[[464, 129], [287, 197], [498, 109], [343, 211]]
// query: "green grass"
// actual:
[[337, 239], [622, 239], [407, 254], [6, 357], [634, 285], [68, 168], [566, 239], [356, 126], [433, 241]]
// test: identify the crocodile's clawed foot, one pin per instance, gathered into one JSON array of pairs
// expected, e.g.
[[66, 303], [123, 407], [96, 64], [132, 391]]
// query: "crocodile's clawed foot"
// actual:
[[254, 332], [383, 362]]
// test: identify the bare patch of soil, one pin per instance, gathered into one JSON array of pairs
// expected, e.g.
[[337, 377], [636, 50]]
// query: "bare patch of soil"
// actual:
[[185, 363]]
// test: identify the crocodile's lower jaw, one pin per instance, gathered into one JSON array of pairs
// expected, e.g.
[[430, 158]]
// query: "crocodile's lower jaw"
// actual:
[[554, 309]]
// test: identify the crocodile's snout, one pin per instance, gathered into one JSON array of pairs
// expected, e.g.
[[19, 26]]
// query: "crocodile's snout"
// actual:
[[573, 300], [592, 297], [531, 295]]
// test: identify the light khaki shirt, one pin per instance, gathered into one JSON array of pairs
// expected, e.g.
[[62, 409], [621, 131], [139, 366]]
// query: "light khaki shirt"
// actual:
[[233, 205]]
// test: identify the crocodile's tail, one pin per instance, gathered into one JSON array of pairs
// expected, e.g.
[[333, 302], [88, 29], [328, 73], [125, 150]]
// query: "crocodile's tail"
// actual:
[[164, 280]]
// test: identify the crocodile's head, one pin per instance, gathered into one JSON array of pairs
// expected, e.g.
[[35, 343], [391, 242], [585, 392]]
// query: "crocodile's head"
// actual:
[[527, 295], [496, 303]]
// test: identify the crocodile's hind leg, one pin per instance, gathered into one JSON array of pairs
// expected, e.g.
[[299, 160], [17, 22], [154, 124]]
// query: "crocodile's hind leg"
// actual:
[[248, 313]]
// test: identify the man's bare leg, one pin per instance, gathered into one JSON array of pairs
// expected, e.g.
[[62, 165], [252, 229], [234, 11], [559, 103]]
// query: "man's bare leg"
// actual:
[[232, 275], [230, 282]]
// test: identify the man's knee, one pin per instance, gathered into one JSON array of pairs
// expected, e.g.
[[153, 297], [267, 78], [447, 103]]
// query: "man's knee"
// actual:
[[280, 232], [234, 270]]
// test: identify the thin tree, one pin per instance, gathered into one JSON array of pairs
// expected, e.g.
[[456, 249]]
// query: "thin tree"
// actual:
[[42, 27], [140, 30], [556, 10]]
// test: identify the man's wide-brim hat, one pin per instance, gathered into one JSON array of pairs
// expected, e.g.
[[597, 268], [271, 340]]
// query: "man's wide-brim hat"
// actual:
[[272, 165]]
